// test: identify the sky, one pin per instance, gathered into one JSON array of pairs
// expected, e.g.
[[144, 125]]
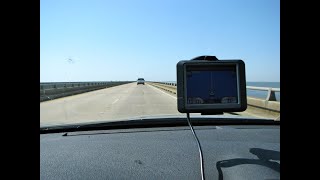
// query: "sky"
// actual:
[[122, 40]]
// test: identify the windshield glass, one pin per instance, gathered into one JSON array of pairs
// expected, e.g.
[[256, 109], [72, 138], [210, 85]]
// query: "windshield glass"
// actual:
[[116, 60]]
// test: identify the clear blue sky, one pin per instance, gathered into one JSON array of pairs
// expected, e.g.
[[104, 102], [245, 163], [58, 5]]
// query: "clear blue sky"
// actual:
[[103, 40]]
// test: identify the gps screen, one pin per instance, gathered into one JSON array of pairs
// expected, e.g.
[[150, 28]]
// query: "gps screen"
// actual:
[[211, 85]]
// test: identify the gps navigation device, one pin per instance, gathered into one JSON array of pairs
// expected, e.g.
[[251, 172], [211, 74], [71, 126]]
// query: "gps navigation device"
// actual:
[[210, 86]]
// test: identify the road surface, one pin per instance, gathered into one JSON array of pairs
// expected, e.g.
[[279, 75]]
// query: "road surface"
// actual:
[[115, 103], [123, 102]]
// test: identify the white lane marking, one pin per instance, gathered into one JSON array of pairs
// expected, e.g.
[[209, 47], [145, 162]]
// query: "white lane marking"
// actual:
[[162, 91], [115, 101]]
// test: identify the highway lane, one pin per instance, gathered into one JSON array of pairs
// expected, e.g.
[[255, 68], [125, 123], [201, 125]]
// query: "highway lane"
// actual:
[[115, 103]]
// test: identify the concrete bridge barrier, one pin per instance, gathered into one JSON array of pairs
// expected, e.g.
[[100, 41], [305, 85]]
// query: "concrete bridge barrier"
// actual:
[[269, 107], [49, 91]]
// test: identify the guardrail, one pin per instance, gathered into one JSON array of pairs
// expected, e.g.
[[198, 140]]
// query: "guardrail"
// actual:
[[53, 90], [268, 106], [271, 91], [53, 85]]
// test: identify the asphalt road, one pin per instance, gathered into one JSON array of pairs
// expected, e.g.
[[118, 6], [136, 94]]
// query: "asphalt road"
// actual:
[[115, 103]]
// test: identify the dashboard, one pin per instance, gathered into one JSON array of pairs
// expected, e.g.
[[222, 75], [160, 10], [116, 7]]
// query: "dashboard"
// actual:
[[229, 152]]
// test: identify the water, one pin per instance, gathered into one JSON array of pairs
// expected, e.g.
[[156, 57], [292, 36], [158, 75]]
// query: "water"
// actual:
[[255, 93]]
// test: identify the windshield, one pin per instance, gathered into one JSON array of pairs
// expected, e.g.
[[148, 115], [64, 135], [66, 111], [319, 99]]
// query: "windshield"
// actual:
[[116, 60]]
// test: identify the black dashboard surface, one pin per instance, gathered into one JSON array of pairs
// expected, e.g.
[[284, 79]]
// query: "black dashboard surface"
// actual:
[[230, 152]]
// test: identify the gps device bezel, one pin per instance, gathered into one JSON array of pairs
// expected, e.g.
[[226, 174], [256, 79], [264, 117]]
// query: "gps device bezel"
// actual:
[[218, 108]]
